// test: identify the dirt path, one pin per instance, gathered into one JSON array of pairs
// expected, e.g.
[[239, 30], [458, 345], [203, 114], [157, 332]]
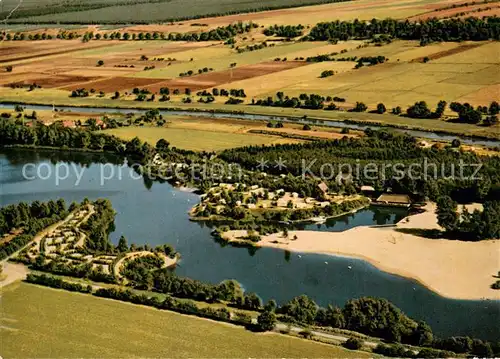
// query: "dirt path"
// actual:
[[12, 272]]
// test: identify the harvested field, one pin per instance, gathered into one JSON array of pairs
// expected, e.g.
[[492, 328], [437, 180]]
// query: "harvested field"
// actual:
[[453, 51], [487, 53], [221, 57], [99, 71], [455, 71], [115, 84], [487, 76], [7, 78], [214, 79], [308, 74], [484, 95]]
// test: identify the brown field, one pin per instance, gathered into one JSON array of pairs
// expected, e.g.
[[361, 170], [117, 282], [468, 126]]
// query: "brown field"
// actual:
[[480, 14], [52, 81]]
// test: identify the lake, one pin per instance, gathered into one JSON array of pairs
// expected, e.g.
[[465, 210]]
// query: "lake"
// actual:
[[156, 213]]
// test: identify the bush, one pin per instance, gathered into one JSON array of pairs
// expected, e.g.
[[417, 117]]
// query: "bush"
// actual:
[[266, 321], [360, 107], [353, 343]]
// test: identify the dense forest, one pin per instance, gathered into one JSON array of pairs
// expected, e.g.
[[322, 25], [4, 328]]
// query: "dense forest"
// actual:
[[426, 31], [98, 227]]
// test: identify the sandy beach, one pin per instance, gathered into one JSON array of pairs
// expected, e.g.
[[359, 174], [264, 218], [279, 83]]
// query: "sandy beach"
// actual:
[[454, 269]]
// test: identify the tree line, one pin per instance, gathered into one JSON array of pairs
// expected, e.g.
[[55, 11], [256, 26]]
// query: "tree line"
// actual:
[[469, 29], [289, 31], [220, 33], [56, 135]]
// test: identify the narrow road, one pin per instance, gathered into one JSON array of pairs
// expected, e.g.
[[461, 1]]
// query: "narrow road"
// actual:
[[338, 337]]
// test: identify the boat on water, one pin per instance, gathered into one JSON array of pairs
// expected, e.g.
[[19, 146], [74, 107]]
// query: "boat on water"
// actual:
[[318, 220]]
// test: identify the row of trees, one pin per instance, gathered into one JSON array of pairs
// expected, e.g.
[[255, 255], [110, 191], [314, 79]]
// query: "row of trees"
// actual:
[[50, 281], [289, 31], [484, 115], [474, 29], [307, 101], [55, 135], [379, 318], [469, 114]]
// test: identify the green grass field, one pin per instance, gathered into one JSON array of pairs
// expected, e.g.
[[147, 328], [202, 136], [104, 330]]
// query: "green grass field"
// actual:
[[195, 140], [42, 322]]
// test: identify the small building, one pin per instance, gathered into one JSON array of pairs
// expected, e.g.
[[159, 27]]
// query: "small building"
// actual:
[[391, 199]]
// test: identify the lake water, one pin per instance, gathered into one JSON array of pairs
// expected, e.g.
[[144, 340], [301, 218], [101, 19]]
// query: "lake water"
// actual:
[[156, 213]]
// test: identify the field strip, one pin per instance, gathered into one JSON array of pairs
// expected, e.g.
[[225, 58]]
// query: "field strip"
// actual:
[[26, 58]]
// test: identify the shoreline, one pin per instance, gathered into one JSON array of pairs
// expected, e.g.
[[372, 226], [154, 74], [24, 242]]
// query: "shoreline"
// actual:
[[453, 269], [399, 273]]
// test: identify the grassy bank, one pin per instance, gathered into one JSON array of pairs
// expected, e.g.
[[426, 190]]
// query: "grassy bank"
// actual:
[[43, 322]]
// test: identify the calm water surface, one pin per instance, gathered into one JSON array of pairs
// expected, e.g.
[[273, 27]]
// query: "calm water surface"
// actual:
[[156, 213]]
